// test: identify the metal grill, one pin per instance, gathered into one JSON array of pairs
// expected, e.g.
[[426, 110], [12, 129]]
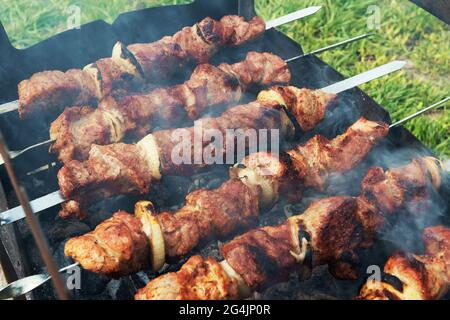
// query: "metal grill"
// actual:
[[75, 48]]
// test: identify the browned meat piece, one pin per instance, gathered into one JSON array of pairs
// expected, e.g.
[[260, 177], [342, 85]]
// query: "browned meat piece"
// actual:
[[159, 60], [52, 90], [250, 116], [236, 31], [197, 43], [72, 208], [117, 247], [198, 279], [209, 214], [70, 140], [76, 129], [415, 277], [395, 188], [263, 69], [307, 106], [121, 166], [110, 75], [268, 255], [322, 156]]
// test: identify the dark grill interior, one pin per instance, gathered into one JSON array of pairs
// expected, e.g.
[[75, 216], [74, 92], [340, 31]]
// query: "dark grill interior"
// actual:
[[76, 48]]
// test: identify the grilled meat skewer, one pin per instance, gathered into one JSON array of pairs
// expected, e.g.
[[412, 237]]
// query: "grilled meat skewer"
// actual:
[[123, 168], [415, 277], [221, 212], [239, 134], [130, 66], [66, 138], [77, 128], [330, 231]]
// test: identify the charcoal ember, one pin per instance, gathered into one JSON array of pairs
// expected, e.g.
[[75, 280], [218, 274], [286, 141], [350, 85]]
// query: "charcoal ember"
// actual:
[[273, 216], [198, 182], [170, 266], [212, 250], [315, 296], [46, 220], [290, 210], [321, 285], [214, 183], [121, 289], [140, 279], [172, 190], [59, 256], [90, 283], [100, 297], [61, 230], [98, 215]]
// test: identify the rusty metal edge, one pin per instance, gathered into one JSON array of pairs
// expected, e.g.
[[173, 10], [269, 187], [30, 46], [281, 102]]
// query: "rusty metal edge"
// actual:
[[12, 260]]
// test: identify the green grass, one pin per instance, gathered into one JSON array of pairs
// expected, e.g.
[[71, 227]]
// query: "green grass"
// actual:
[[406, 32]]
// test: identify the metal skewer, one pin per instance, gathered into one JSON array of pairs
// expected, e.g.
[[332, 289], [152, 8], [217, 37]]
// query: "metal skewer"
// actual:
[[332, 46], [25, 285], [16, 153], [418, 113]]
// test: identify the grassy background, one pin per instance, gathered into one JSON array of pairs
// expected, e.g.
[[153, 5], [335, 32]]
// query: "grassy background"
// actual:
[[406, 32]]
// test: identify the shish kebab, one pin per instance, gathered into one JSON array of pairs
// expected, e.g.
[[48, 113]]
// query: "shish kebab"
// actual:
[[330, 231], [123, 168], [415, 277], [137, 166], [119, 245], [254, 184], [77, 128], [143, 209], [130, 66], [222, 212]]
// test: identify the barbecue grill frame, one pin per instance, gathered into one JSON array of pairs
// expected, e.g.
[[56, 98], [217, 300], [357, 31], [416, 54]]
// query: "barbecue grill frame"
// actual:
[[96, 39]]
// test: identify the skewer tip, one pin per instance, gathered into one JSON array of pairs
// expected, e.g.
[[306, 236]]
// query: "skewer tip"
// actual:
[[399, 63]]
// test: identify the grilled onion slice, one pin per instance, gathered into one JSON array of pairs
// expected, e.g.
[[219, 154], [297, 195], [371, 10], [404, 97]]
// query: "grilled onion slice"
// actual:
[[243, 289], [126, 59], [145, 211], [149, 148], [435, 167]]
